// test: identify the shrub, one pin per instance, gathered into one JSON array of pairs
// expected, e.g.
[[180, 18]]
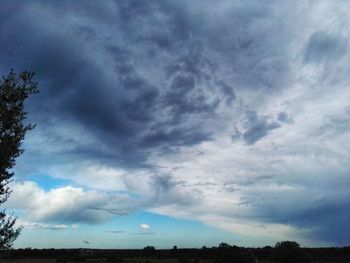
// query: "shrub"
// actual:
[[290, 252]]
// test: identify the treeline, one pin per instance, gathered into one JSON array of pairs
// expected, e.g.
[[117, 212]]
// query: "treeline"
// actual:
[[283, 252]]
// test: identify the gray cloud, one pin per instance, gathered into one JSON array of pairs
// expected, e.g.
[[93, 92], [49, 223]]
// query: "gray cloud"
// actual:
[[285, 117], [256, 127], [334, 125], [173, 192], [116, 101], [325, 214], [324, 47]]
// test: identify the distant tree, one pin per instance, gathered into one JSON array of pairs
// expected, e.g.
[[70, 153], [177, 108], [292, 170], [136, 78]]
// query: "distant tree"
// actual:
[[264, 253], [290, 252], [233, 254], [224, 245], [14, 90]]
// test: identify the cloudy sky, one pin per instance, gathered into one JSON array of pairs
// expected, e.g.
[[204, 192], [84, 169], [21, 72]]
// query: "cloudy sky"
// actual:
[[188, 123]]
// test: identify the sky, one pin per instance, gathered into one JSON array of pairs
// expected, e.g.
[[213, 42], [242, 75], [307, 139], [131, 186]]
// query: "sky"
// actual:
[[183, 123]]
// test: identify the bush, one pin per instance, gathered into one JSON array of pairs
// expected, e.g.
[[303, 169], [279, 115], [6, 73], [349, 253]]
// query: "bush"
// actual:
[[290, 252]]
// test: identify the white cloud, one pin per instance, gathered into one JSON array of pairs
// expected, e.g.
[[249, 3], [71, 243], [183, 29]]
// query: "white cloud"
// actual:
[[32, 225], [145, 226], [68, 204]]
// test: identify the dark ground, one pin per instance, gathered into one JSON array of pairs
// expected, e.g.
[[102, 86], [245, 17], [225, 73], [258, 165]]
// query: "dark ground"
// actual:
[[224, 253]]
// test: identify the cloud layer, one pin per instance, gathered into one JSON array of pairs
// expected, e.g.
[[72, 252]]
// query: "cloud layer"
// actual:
[[234, 114]]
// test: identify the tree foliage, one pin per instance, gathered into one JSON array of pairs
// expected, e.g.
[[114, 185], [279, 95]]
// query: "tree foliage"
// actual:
[[290, 252], [14, 90]]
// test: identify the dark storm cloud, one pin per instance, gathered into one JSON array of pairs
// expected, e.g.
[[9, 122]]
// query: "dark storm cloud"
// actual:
[[324, 47], [320, 213], [328, 221], [253, 41], [122, 111], [137, 76], [257, 127], [327, 218]]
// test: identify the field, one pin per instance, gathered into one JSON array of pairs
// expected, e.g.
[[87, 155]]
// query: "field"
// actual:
[[101, 260], [96, 260], [221, 254], [105, 260]]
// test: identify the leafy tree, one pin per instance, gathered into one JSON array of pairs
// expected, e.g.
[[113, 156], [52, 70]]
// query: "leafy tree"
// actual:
[[224, 246], [14, 90], [233, 254], [290, 252]]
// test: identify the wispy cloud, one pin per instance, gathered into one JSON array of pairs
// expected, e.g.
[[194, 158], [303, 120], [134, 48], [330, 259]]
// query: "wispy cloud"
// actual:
[[42, 226], [149, 233], [115, 231]]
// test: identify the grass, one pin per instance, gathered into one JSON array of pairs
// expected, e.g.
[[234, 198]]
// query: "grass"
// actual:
[[126, 260]]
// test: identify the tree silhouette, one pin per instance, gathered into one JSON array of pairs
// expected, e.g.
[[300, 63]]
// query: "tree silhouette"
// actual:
[[290, 252], [14, 90]]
